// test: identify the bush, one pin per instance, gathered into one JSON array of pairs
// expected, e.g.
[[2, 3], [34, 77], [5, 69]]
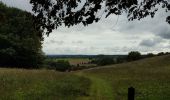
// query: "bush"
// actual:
[[63, 65], [150, 55], [60, 65], [161, 53], [134, 55]]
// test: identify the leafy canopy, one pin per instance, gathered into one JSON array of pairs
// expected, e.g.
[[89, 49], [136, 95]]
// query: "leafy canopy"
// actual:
[[50, 14], [20, 43]]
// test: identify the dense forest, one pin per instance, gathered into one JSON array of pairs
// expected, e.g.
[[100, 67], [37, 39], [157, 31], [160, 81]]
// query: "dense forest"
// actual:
[[20, 43]]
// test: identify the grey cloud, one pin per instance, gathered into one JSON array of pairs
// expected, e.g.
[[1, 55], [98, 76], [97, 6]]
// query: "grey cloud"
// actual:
[[151, 42], [55, 42], [164, 32], [148, 43]]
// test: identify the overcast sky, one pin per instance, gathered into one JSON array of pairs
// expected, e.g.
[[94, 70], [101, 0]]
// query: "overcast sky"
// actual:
[[114, 35]]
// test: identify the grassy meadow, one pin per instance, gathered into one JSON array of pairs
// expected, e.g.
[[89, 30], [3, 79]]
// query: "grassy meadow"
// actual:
[[150, 77], [19, 84]]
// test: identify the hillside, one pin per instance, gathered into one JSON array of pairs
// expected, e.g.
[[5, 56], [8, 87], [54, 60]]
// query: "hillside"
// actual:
[[150, 77]]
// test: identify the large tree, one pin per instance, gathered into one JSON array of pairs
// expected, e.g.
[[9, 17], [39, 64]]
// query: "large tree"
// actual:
[[20, 43], [50, 14]]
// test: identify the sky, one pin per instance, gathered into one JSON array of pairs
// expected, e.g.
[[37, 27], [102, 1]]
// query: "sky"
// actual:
[[112, 35]]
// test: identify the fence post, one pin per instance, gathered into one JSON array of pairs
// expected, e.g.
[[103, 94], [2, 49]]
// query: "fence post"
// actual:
[[131, 93]]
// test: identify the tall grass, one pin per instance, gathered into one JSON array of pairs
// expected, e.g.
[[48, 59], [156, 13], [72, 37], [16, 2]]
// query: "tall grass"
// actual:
[[41, 85]]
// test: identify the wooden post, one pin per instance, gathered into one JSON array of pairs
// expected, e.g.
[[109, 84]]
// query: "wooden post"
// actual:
[[131, 93]]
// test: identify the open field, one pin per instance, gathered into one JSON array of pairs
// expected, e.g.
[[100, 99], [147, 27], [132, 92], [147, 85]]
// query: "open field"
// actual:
[[150, 77], [78, 61], [75, 61]]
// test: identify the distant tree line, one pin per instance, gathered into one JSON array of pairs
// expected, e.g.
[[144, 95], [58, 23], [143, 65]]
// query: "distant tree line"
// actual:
[[102, 60], [136, 55], [20, 43], [99, 60]]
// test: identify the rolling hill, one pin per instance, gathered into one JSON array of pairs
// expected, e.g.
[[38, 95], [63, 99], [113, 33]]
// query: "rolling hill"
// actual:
[[150, 77]]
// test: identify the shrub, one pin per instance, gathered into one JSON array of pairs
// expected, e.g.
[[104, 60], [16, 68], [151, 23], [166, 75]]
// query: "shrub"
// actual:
[[134, 55], [60, 65], [150, 55], [161, 53]]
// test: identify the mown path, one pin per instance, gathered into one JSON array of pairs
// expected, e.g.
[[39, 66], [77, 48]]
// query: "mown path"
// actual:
[[99, 89]]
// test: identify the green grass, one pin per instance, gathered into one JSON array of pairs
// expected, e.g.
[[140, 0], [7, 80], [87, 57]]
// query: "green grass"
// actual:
[[150, 78], [99, 89], [41, 85]]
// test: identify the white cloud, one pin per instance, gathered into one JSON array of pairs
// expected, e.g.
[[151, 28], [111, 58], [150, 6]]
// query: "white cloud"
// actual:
[[114, 35]]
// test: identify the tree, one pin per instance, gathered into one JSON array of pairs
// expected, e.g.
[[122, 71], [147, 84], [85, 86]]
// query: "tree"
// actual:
[[63, 65], [20, 43], [50, 14], [150, 55], [161, 53], [134, 55]]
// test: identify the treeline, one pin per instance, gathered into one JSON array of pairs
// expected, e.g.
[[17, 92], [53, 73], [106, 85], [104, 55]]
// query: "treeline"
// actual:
[[20, 43], [103, 60]]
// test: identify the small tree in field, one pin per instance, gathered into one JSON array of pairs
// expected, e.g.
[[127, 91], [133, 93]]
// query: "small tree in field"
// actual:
[[62, 65], [134, 55]]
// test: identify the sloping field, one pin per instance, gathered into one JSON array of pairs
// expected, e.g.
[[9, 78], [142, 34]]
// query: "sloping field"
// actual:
[[150, 77]]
